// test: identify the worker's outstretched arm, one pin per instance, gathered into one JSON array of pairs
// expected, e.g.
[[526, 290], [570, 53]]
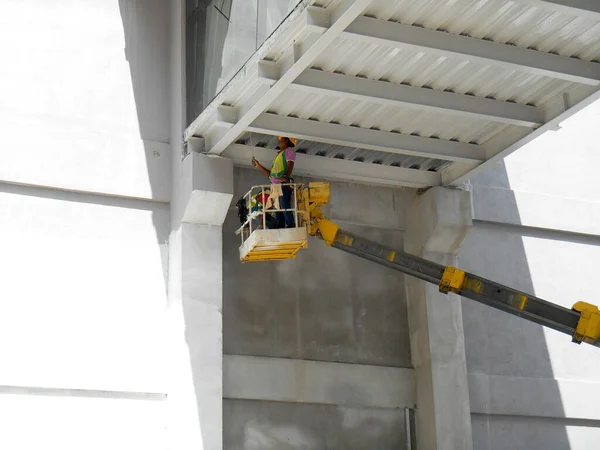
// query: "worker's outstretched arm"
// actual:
[[260, 167]]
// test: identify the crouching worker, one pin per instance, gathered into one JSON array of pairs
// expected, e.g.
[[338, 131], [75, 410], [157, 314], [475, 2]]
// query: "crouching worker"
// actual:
[[281, 172]]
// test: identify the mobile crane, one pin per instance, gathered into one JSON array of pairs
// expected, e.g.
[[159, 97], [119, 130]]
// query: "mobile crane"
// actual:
[[582, 322]]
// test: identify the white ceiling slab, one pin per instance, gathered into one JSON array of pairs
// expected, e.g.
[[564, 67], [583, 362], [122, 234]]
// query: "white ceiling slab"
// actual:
[[442, 88]]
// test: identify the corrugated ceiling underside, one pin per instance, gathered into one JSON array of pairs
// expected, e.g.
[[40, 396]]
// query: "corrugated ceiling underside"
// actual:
[[331, 108], [348, 153], [441, 73], [502, 21]]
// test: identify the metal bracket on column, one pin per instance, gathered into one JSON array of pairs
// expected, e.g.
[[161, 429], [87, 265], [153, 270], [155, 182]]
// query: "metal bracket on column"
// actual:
[[452, 280]]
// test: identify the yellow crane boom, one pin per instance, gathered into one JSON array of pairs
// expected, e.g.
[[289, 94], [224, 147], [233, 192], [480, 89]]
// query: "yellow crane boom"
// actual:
[[582, 322]]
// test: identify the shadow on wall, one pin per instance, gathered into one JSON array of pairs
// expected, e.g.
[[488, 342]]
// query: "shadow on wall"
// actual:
[[146, 32], [498, 344], [221, 35], [206, 29]]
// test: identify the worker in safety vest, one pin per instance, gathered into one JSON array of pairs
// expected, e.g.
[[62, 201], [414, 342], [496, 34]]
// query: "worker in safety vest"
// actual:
[[280, 173]]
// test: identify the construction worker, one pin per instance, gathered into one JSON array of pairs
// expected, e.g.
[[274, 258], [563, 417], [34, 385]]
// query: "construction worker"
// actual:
[[281, 173]]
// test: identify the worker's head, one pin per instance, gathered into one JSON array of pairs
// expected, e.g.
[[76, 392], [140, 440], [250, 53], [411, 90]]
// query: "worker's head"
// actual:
[[285, 142]]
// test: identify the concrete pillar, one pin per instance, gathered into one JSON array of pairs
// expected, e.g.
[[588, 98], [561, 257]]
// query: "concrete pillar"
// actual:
[[196, 298], [438, 223]]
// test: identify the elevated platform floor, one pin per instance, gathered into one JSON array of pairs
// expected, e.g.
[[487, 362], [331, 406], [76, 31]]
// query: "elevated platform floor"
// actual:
[[273, 245]]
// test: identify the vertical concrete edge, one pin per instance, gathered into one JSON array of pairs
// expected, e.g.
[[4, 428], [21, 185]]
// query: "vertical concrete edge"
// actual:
[[439, 221]]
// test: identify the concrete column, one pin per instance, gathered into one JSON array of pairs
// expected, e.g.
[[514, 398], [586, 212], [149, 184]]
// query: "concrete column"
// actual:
[[439, 221], [196, 298]]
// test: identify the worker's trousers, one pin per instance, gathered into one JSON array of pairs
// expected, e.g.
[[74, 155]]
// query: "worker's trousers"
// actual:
[[285, 219]]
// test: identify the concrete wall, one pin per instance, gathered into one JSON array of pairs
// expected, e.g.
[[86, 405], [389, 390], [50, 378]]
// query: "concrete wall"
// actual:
[[84, 220], [252, 425], [535, 229], [323, 306]]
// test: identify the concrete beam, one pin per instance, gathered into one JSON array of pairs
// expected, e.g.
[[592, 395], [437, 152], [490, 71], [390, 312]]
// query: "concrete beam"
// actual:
[[398, 95], [299, 381], [382, 141], [392, 34], [439, 221], [340, 170], [207, 184], [303, 56], [83, 393], [582, 8]]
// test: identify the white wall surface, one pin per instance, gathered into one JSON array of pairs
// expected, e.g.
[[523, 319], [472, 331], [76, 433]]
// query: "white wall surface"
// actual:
[[83, 291], [535, 229], [84, 223], [561, 163], [518, 433], [84, 95], [72, 423]]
